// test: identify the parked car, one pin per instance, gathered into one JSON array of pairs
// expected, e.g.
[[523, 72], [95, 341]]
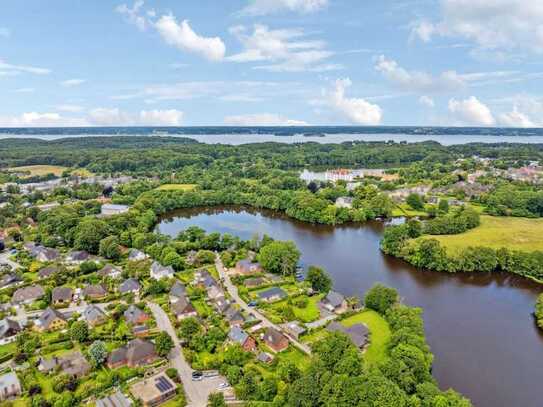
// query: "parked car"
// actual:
[[252, 304], [223, 386], [197, 376]]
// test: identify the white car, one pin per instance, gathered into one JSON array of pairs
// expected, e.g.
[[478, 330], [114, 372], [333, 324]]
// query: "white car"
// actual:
[[223, 386]]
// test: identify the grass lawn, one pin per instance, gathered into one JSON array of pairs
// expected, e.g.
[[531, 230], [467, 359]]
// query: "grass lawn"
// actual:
[[379, 334], [7, 349], [406, 210], [314, 336], [309, 313], [496, 232], [202, 308], [40, 169], [295, 355], [177, 187]]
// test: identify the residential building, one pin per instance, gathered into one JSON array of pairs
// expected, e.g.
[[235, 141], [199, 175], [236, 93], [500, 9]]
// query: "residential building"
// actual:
[[73, 364], [136, 255], [234, 316], [154, 390], [46, 254], [61, 296], [275, 340], [137, 352], [94, 315], [110, 271], [339, 175], [294, 329], [158, 271], [247, 267], [10, 387], [95, 292], [177, 291], [117, 399], [130, 286], [344, 202], [182, 308], [77, 257], [135, 316], [112, 209], [358, 332], [47, 272], [253, 282], [27, 295], [334, 302], [51, 320], [272, 294], [8, 330], [47, 206], [238, 335], [10, 280]]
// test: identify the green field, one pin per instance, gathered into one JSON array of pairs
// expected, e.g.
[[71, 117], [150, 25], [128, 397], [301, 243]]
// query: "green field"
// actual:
[[177, 187], [40, 169], [379, 334], [522, 234]]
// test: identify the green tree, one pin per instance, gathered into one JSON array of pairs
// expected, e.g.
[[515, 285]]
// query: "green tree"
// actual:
[[97, 353], [79, 331], [216, 400], [415, 201], [279, 257], [539, 311], [443, 205], [380, 298], [163, 343], [109, 248], [318, 278], [88, 234], [189, 327]]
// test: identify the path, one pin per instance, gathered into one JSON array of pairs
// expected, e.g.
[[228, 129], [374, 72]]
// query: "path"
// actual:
[[197, 392], [4, 259], [233, 291]]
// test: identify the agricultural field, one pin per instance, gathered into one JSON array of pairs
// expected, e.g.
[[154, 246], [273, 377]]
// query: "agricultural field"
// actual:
[[177, 187], [522, 234], [39, 170]]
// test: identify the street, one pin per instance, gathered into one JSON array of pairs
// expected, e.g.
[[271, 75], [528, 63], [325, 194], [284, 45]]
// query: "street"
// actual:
[[233, 291], [197, 392]]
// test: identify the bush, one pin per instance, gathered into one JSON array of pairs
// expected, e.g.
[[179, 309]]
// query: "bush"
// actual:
[[380, 298]]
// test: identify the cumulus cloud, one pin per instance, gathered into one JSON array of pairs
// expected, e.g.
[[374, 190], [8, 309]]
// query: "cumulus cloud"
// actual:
[[11, 70], [426, 101], [69, 108], [263, 7], [132, 14], [471, 112], [490, 24], [286, 50], [116, 117], [182, 36], [356, 110], [70, 83], [262, 119], [35, 119], [515, 118], [170, 117]]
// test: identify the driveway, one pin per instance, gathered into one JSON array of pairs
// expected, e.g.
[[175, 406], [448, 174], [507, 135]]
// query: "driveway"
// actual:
[[197, 392], [233, 291], [4, 259]]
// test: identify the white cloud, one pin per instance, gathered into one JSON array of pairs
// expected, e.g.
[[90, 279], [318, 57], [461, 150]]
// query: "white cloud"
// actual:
[[356, 110], [263, 7], [132, 14], [471, 112], [34, 119], [69, 108], [262, 119], [11, 70], [490, 24], [161, 117], [515, 118], [285, 50], [25, 90], [70, 83], [426, 101], [183, 37], [116, 117]]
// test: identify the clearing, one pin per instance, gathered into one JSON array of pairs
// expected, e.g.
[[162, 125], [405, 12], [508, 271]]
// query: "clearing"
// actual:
[[177, 187], [522, 234], [38, 170]]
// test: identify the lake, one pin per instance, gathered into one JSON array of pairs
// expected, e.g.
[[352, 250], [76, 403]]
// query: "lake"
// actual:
[[479, 326]]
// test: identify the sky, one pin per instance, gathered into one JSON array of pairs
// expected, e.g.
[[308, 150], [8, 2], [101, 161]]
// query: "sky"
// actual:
[[271, 62]]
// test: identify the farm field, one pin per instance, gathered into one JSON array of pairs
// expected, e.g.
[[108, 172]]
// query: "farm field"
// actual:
[[38, 170], [496, 232], [177, 187]]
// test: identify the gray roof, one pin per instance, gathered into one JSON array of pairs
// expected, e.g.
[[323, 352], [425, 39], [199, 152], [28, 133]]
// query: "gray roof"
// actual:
[[178, 289], [116, 399], [135, 253], [129, 285], [93, 313], [48, 316], [182, 306], [133, 313], [47, 271], [233, 314], [357, 332], [32, 292], [335, 299], [9, 380], [272, 292], [61, 294], [94, 290], [9, 327], [238, 335], [109, 269], [78, 255]]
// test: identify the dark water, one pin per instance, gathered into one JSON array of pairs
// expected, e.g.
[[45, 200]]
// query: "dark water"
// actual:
[[480, 326]]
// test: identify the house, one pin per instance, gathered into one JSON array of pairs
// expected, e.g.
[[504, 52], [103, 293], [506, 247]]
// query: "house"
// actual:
[[191, 257], [272, 294], [182, 308], [154, 390], [334, 302], [158, 271], [140, 330], [10, 280], [46, 254], [344, 202], [264, 357], [248, 267], [8, 329], [27, 295], [177, 291], [233, 316], [238, 335], [51, 320], [94, 292], [202, 278], [275, 340], [10, 387], [130, 286], [111, 209], [47, 206], [117, 399], [136, 255], [137, 352], [221, 304], [94, 315], [254, 282], [77, 257], [47, 272], [110, 271], [214, 292], [73, 364], [61, 296], [294, 329], [135, 316], [358, 332]]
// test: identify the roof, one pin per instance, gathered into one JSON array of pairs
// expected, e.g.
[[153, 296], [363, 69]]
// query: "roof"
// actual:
[[9, 327], [254, 281], [116, 399], [238, 335], [335, 299], [48, 316], [94, 290], [78, 255], [133, 314], [178, 289], [153, 388], [128, 285], [233, 314], [182, 306], [93, 313], [61, 294], [115, 207], [357, 332], [47, 271], [272, 292], [294, 327], [32, 292], [160, 271], [9, 380], [273, 336], [135, 253], [139, 349], [109, 269]]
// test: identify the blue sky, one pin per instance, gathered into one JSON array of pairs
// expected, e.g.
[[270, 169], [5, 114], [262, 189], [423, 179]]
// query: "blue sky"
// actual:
[[271, 62]]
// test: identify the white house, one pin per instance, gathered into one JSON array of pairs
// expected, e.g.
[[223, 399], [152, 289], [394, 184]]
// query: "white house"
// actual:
[[112, 209], [159, 271]]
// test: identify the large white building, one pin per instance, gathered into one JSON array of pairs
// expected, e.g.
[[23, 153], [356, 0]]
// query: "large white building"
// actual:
[[112, 209]]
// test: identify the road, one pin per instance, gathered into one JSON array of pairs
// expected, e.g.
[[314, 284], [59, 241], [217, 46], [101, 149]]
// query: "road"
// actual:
[[4, 259], [233, 291], [196, 392]]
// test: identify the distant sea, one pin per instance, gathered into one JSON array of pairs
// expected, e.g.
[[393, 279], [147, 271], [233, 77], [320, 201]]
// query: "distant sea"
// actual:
[[325, 134]]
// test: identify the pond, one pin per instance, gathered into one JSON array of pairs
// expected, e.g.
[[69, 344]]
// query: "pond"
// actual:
[[479, 326]]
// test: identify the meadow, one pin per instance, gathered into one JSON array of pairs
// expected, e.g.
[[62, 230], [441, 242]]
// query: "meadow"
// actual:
[[39, 170]]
